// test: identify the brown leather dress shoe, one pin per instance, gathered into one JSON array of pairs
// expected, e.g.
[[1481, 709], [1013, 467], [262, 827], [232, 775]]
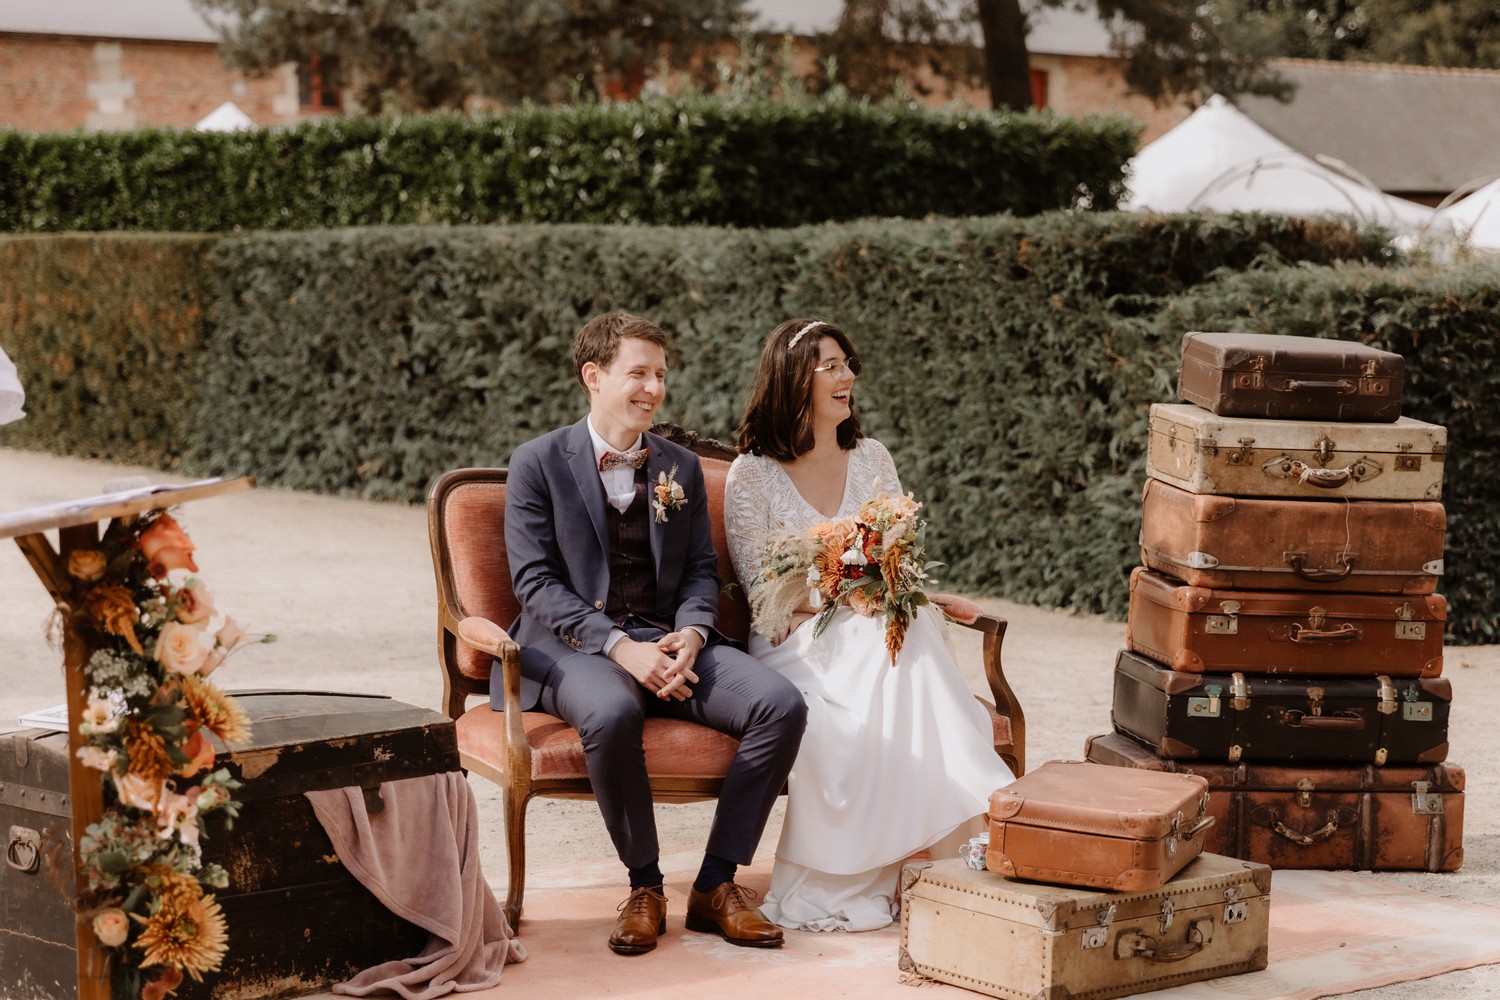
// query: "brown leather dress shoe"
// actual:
[[643, 918], [727, 912]]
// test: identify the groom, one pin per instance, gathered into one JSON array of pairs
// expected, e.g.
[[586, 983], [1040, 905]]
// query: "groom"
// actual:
[[607, 529]]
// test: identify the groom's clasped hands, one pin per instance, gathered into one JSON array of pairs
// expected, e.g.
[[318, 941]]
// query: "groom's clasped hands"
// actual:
[[664, 666]]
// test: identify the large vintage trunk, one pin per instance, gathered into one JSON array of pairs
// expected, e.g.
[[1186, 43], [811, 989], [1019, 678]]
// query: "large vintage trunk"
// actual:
[[1290, 378], [1200, 452], [1232, 543], [1253, 717], [1030, 941], [1201, 630], [298, 921], [1333, 817], [1075, 823]]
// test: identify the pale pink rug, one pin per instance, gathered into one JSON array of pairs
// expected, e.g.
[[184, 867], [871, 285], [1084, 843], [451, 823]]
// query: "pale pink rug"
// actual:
[[1331, 933]]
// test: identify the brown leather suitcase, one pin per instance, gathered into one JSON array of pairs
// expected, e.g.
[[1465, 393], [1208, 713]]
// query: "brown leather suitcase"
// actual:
[[1334, 817], [1254, 717], [1290, 378], [1075, 823], [1253, 457], [1011, 939], [1367, 546], [1283, 632]]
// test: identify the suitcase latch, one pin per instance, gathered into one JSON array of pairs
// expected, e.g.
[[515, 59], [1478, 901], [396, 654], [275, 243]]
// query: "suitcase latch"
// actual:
[[1387, 695], [1413, 631], [1167, 915], [1235, 913], [1225, 624], [1315, 700], [1305, 789], [1098, 936], [1413, 709], [1207, 705], [1202, 560], [1239, 691], [1243, 454], [1433, 568], [1323, 449], [1425, 802], [23, 851], [1405, 460]]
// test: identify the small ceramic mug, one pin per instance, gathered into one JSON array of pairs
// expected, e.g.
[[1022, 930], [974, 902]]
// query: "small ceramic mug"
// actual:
[[973, 851]]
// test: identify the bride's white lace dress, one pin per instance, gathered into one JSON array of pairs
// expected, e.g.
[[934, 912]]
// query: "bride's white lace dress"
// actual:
[[894, 760]]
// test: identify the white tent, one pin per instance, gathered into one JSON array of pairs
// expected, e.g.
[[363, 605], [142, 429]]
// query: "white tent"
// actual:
[[1219, 160], [227, 117], [1478, 215], [12, 395]]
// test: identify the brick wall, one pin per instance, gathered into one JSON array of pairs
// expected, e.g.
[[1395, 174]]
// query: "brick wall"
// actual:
[[50, 83]]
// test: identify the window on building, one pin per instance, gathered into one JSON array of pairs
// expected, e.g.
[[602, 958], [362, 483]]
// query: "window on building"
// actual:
[[316, 88], [1039, 88]]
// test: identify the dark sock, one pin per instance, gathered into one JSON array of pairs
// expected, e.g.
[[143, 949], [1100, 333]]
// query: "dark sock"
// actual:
[[646, 877], [714, 873]]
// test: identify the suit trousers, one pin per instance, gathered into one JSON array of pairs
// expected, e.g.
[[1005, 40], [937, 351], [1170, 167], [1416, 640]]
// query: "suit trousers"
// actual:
[[735, 694]]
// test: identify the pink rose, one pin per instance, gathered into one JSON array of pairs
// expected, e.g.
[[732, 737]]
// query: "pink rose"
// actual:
[[111, 927], [230, 634], [193, 603], [138, 792], [166, 547], [179, 648], [87, 565]]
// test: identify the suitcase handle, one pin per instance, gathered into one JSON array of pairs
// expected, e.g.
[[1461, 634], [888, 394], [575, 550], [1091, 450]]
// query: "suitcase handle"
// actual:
[[1298, 719], [1138, 944], [1298, 562], [1343, 385], [1306, 839], [1346, 632]]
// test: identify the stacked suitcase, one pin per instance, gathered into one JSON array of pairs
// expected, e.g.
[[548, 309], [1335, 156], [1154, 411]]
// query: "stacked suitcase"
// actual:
[[1284, 637]]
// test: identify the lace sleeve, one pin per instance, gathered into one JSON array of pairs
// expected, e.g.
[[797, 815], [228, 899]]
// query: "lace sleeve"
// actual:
[[747, 517], [883, 468]]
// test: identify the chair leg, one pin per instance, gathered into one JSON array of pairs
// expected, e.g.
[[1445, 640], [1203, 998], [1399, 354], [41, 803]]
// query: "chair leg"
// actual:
[[514, 813]]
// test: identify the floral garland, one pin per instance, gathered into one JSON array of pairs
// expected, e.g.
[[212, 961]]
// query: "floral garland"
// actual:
[[155, 636]]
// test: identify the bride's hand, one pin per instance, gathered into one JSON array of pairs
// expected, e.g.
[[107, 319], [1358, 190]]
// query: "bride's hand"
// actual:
[[797, 618]]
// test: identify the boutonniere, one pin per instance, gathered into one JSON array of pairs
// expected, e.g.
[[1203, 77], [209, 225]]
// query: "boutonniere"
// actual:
[[669, 495]]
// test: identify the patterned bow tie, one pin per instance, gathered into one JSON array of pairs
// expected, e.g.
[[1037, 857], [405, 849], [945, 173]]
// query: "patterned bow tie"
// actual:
[[623, 460]]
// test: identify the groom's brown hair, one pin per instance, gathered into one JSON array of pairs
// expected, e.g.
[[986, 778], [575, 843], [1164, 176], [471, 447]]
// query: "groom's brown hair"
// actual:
[[599, 340]]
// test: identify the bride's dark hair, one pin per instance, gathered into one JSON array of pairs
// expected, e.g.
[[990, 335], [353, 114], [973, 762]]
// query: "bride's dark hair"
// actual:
[[778, 418]]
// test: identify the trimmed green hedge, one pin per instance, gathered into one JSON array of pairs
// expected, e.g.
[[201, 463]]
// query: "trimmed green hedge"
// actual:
[[735, 161], [1009, 363]]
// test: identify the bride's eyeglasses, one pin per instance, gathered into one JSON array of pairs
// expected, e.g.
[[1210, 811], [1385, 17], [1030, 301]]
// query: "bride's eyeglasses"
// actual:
[[852, 366]]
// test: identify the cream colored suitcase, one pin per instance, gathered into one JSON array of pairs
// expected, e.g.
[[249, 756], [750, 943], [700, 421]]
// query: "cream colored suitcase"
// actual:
[[1027, 940], [1195, 450]]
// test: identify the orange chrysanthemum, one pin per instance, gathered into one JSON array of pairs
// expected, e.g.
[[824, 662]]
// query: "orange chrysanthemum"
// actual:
[[191, 937], [112, 610], [215, 710], [173, 888], [148, 752]]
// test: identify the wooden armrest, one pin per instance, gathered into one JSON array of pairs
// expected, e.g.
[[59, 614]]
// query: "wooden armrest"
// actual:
[[958, 609], [485, 636]]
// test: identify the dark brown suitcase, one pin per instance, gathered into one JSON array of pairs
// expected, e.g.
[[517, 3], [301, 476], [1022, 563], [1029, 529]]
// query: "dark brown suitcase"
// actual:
[[1253, 717], [1332, 817], [1233, 543], [1283, 632], [1290, 378], [298, 921], [1075, 823]]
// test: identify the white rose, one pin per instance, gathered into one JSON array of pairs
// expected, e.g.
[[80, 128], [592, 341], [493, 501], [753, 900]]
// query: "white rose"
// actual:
[[179, 648]]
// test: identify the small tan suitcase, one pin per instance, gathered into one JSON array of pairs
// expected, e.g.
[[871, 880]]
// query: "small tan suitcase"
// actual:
[[1195, 450], [1076, 823], [1024, 940]]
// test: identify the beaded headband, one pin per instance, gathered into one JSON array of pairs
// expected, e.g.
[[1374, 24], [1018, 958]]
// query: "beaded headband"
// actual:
[[799, 334]]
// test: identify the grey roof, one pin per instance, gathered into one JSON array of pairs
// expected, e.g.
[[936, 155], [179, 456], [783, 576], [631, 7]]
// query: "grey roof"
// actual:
[[158, 20], [1406, 128]]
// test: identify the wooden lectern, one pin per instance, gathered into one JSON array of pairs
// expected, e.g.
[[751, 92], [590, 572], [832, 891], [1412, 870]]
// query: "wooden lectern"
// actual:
[[78, 527]]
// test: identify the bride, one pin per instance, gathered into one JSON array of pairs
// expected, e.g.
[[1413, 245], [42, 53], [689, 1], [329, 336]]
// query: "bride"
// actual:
[[894, 760]]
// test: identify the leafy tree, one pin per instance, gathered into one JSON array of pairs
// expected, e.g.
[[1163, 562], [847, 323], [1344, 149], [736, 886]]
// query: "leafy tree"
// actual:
[[1172, 48], [424, 54], [1456, 33]]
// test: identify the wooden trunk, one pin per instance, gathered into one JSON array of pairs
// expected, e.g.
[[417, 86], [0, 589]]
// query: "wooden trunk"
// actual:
[[1192, 448], [1284, 632], [1239, 543], [1253, 717], [1075, 823], [1332, 817], [298, 921], [1290, 378], [1029, 941]]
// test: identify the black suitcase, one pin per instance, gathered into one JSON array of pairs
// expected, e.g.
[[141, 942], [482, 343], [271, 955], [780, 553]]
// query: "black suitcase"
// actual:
[[298, 921], [1232, 717]]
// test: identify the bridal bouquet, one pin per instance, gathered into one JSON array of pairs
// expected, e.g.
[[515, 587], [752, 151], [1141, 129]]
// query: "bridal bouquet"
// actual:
[[874, 563]]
